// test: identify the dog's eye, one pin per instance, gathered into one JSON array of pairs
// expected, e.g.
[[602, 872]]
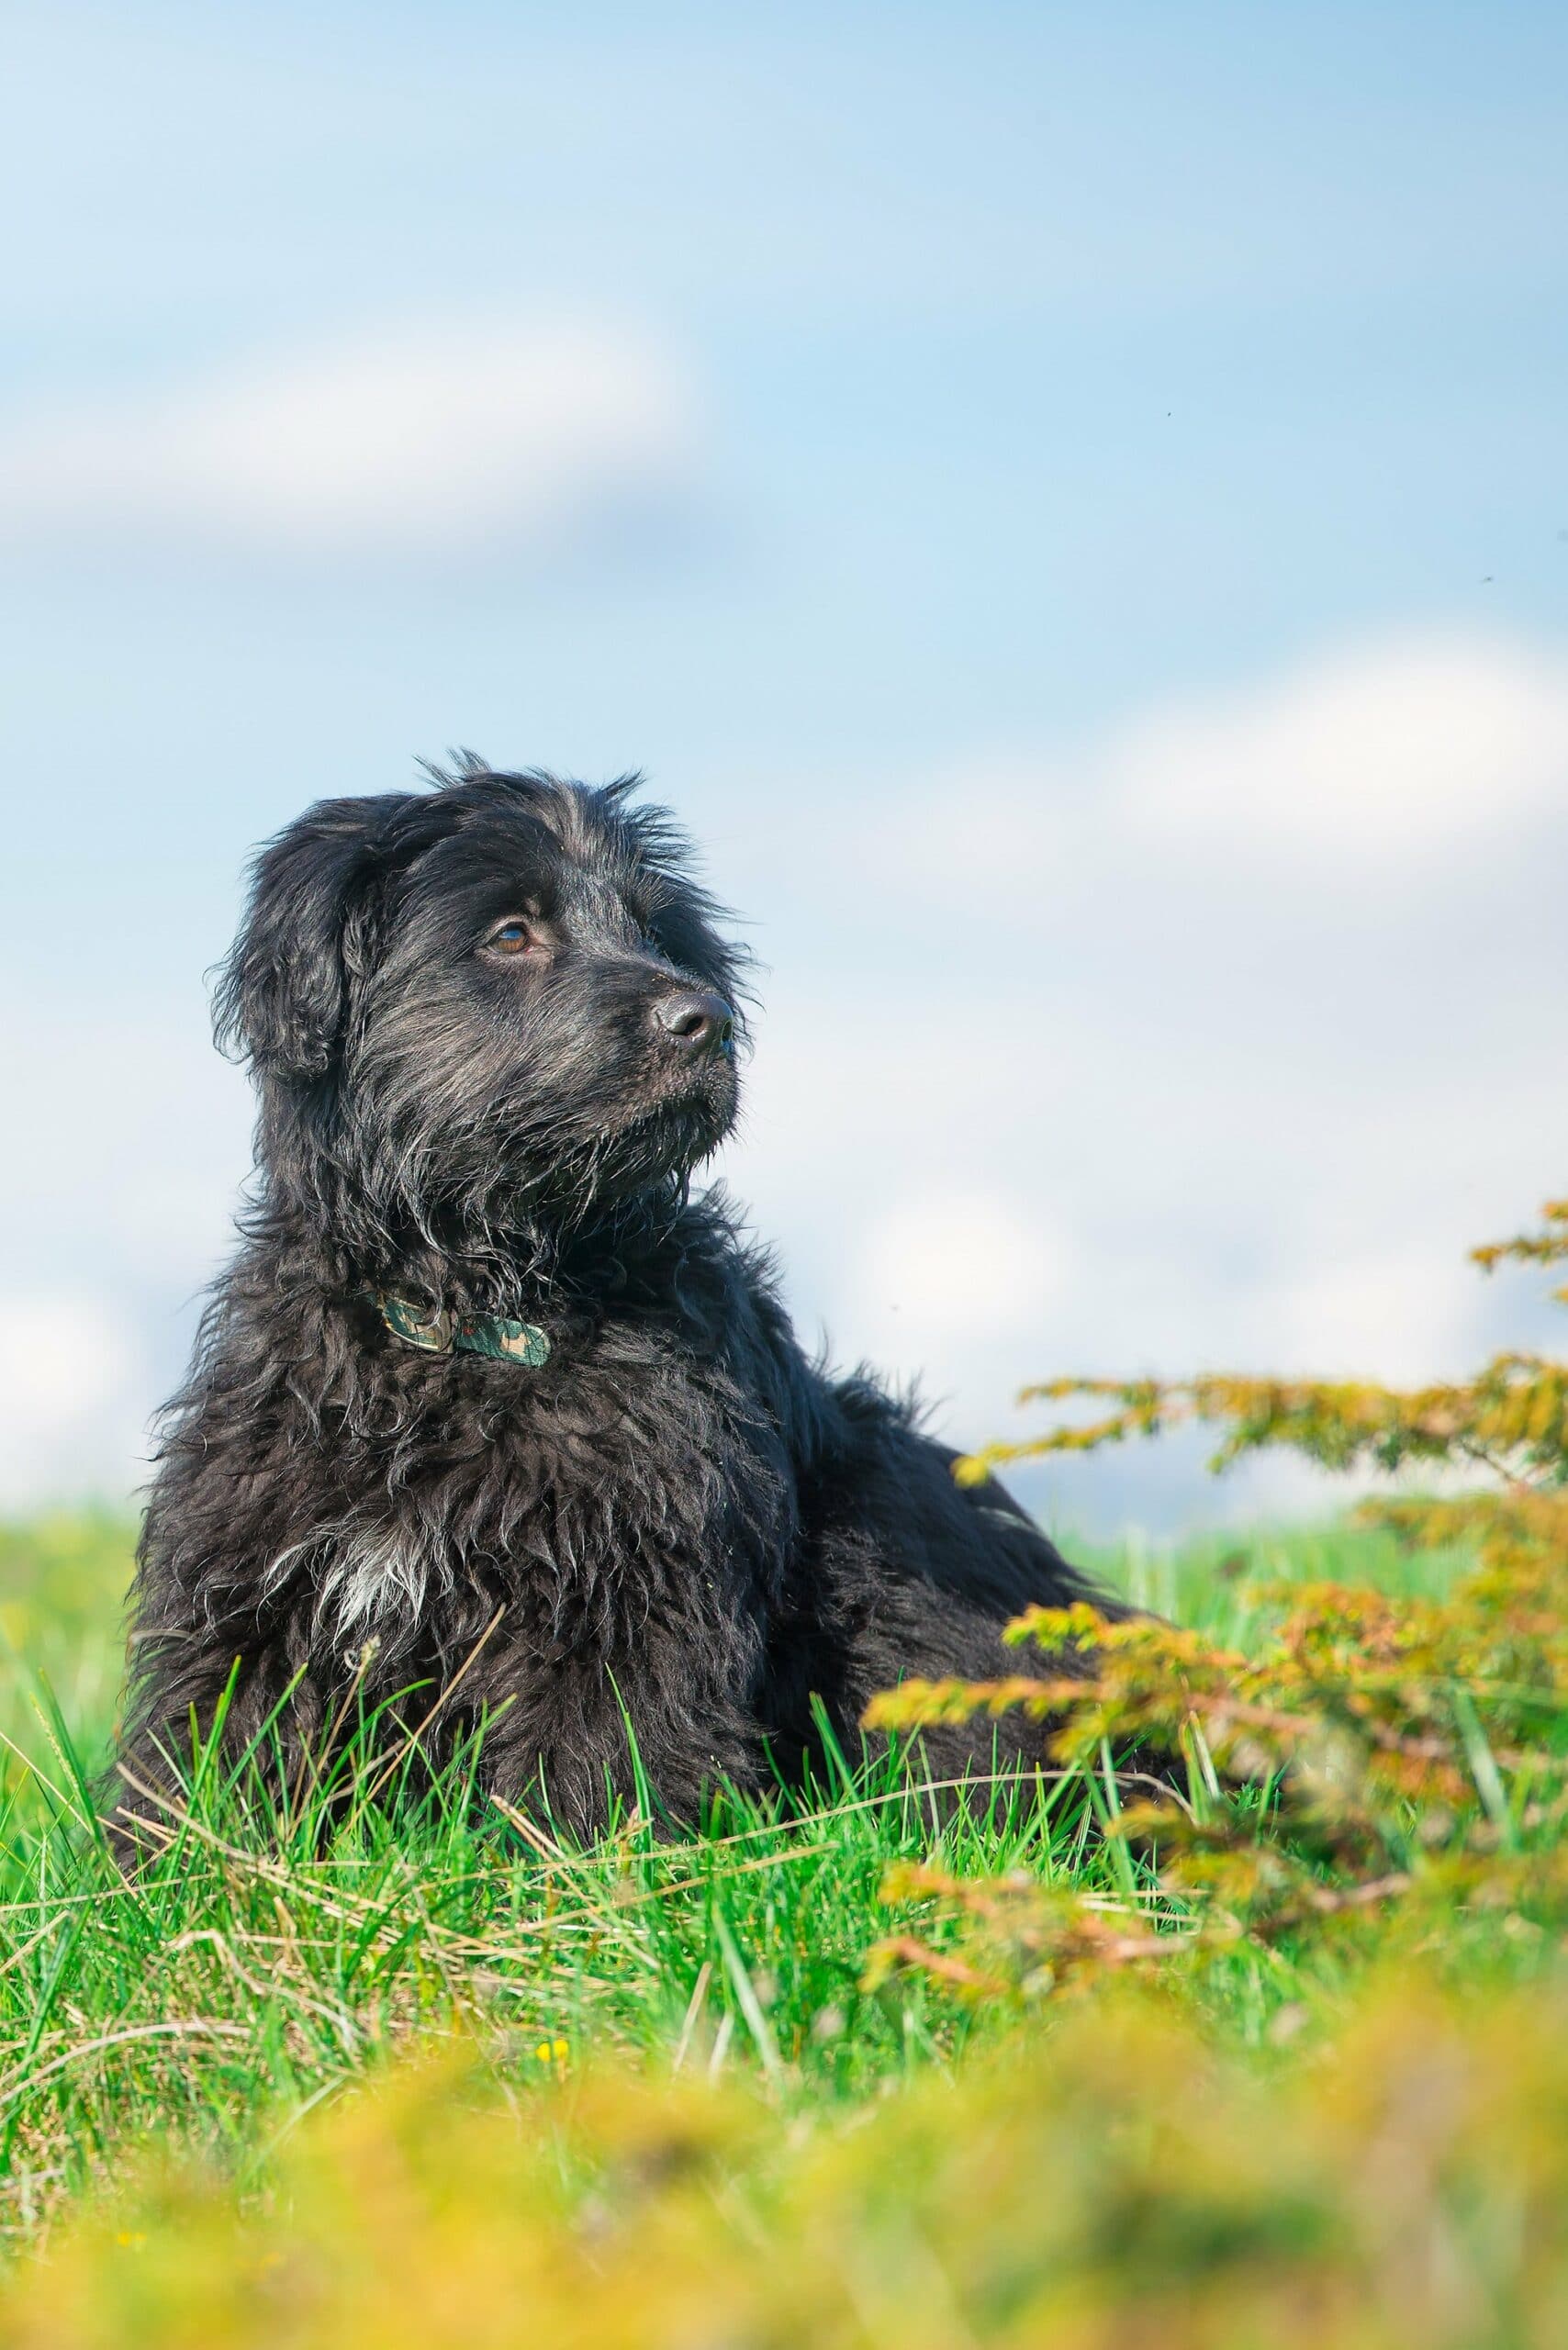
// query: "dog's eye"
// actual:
[[513, 936]]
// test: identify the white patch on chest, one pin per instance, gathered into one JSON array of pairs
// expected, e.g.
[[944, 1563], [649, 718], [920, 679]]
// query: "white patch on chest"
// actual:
[[367, 1578], [371, 1577]]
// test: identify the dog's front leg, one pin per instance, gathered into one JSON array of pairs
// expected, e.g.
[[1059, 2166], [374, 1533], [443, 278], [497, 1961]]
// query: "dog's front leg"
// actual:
[[208, 1717], [584, 1736]]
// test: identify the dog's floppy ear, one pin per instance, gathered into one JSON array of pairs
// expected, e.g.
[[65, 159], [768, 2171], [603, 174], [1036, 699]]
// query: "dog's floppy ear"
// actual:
[[283, 993]]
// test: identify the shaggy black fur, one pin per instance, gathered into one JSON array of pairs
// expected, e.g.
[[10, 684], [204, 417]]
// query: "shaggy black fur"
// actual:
[[490, 1029]]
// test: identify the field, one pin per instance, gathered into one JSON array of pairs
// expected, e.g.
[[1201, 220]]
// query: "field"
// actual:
[[836, 2075]]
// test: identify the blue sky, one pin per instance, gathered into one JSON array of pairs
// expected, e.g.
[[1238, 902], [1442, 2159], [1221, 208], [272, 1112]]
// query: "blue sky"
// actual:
[[1069, 504]]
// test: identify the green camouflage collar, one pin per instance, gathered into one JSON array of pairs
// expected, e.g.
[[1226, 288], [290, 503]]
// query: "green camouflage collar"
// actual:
[[463, 1333]]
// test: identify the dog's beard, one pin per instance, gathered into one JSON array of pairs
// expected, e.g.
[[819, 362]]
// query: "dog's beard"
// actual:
[[462, 1184], [665, 1141], [661, 1138]]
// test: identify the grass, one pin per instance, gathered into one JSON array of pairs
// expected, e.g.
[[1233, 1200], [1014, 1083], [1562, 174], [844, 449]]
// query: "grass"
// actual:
[[708, 2073]]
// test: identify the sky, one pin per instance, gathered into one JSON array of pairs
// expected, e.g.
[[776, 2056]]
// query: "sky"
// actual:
[[1068, 504]]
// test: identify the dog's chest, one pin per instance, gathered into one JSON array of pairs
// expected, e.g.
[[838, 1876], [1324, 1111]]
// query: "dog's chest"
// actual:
[[582, 1512]]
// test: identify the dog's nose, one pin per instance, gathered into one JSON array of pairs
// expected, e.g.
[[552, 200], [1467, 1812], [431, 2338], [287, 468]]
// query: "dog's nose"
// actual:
[[696, 1019]]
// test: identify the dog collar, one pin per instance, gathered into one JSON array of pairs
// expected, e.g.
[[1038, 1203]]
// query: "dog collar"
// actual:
[[463, 1333]]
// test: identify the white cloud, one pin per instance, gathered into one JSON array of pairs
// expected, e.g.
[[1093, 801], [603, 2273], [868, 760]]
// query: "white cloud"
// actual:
[[1386, 761], [70, 1398], [961, 1266], [138, 1134], [1384, 754], [1393, 1316], [417, 441]]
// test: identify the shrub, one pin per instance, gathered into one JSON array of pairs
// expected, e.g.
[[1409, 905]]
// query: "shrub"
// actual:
[[1373, 1752]]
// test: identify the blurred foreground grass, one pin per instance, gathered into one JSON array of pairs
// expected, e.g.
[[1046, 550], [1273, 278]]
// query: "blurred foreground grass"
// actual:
[[442, 2082], [1127, 2180]]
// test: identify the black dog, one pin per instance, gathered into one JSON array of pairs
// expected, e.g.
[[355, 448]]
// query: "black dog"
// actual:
[[487, 1402]]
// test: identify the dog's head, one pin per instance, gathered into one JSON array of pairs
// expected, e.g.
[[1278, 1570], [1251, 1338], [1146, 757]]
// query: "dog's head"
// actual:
[[503, 995]]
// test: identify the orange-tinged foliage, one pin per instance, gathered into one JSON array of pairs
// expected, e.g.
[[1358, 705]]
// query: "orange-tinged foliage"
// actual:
[[1372, 1751], [1547, 1247], [1512, 1417]]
